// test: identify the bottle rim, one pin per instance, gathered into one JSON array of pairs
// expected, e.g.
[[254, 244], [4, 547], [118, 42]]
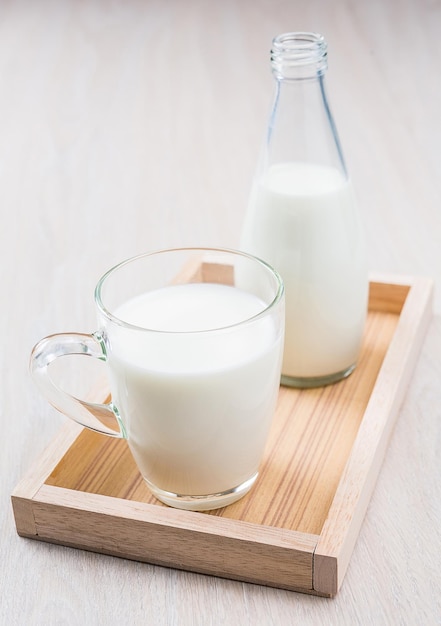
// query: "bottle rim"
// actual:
[[299, 54]]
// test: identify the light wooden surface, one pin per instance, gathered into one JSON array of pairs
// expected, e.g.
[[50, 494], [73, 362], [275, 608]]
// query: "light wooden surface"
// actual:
[[128, 126], [297, 527]]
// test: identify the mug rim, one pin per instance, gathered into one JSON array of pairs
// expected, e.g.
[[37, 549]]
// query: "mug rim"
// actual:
[[229, 251]]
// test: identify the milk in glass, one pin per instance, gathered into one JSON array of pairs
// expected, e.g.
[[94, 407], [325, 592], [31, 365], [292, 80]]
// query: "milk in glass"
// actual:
[[197, 403]]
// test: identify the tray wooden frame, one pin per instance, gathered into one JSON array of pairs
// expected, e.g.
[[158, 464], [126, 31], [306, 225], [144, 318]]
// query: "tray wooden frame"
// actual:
[[138, 527]]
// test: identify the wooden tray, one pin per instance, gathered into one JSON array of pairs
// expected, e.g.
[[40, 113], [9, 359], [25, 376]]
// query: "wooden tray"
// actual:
[[297, 527]]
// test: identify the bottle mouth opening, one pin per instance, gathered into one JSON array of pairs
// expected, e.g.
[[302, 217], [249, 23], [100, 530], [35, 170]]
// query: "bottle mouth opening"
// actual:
[[302, 51]]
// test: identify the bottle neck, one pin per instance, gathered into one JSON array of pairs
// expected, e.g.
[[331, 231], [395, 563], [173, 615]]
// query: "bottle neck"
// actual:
[[301, 127], [299, 56]]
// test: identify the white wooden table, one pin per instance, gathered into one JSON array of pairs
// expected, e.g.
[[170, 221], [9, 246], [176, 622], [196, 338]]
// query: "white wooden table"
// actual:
[[129, 126]]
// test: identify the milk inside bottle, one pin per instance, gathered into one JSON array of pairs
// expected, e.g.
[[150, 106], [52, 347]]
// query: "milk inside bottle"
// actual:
[[303, 219]]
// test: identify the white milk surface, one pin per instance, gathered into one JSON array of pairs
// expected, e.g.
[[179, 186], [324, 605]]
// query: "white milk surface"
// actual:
[[301, 220], [197, 406]]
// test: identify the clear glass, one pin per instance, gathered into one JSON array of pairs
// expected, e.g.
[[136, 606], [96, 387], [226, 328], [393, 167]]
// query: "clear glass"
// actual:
[[193, 342], [302, 218]]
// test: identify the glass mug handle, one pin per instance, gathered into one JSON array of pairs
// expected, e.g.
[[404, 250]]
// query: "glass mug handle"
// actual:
[[89, 414]]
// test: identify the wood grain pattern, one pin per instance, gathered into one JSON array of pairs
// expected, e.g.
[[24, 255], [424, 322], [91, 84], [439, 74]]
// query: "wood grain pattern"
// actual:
[[212, 546], [308, 446], [297, 527], [341, 528]]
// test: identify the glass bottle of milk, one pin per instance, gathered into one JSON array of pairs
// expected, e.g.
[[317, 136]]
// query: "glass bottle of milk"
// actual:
[[302, 219]]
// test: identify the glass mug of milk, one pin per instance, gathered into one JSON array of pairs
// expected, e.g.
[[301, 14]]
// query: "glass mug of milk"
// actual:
[[193, 341]]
